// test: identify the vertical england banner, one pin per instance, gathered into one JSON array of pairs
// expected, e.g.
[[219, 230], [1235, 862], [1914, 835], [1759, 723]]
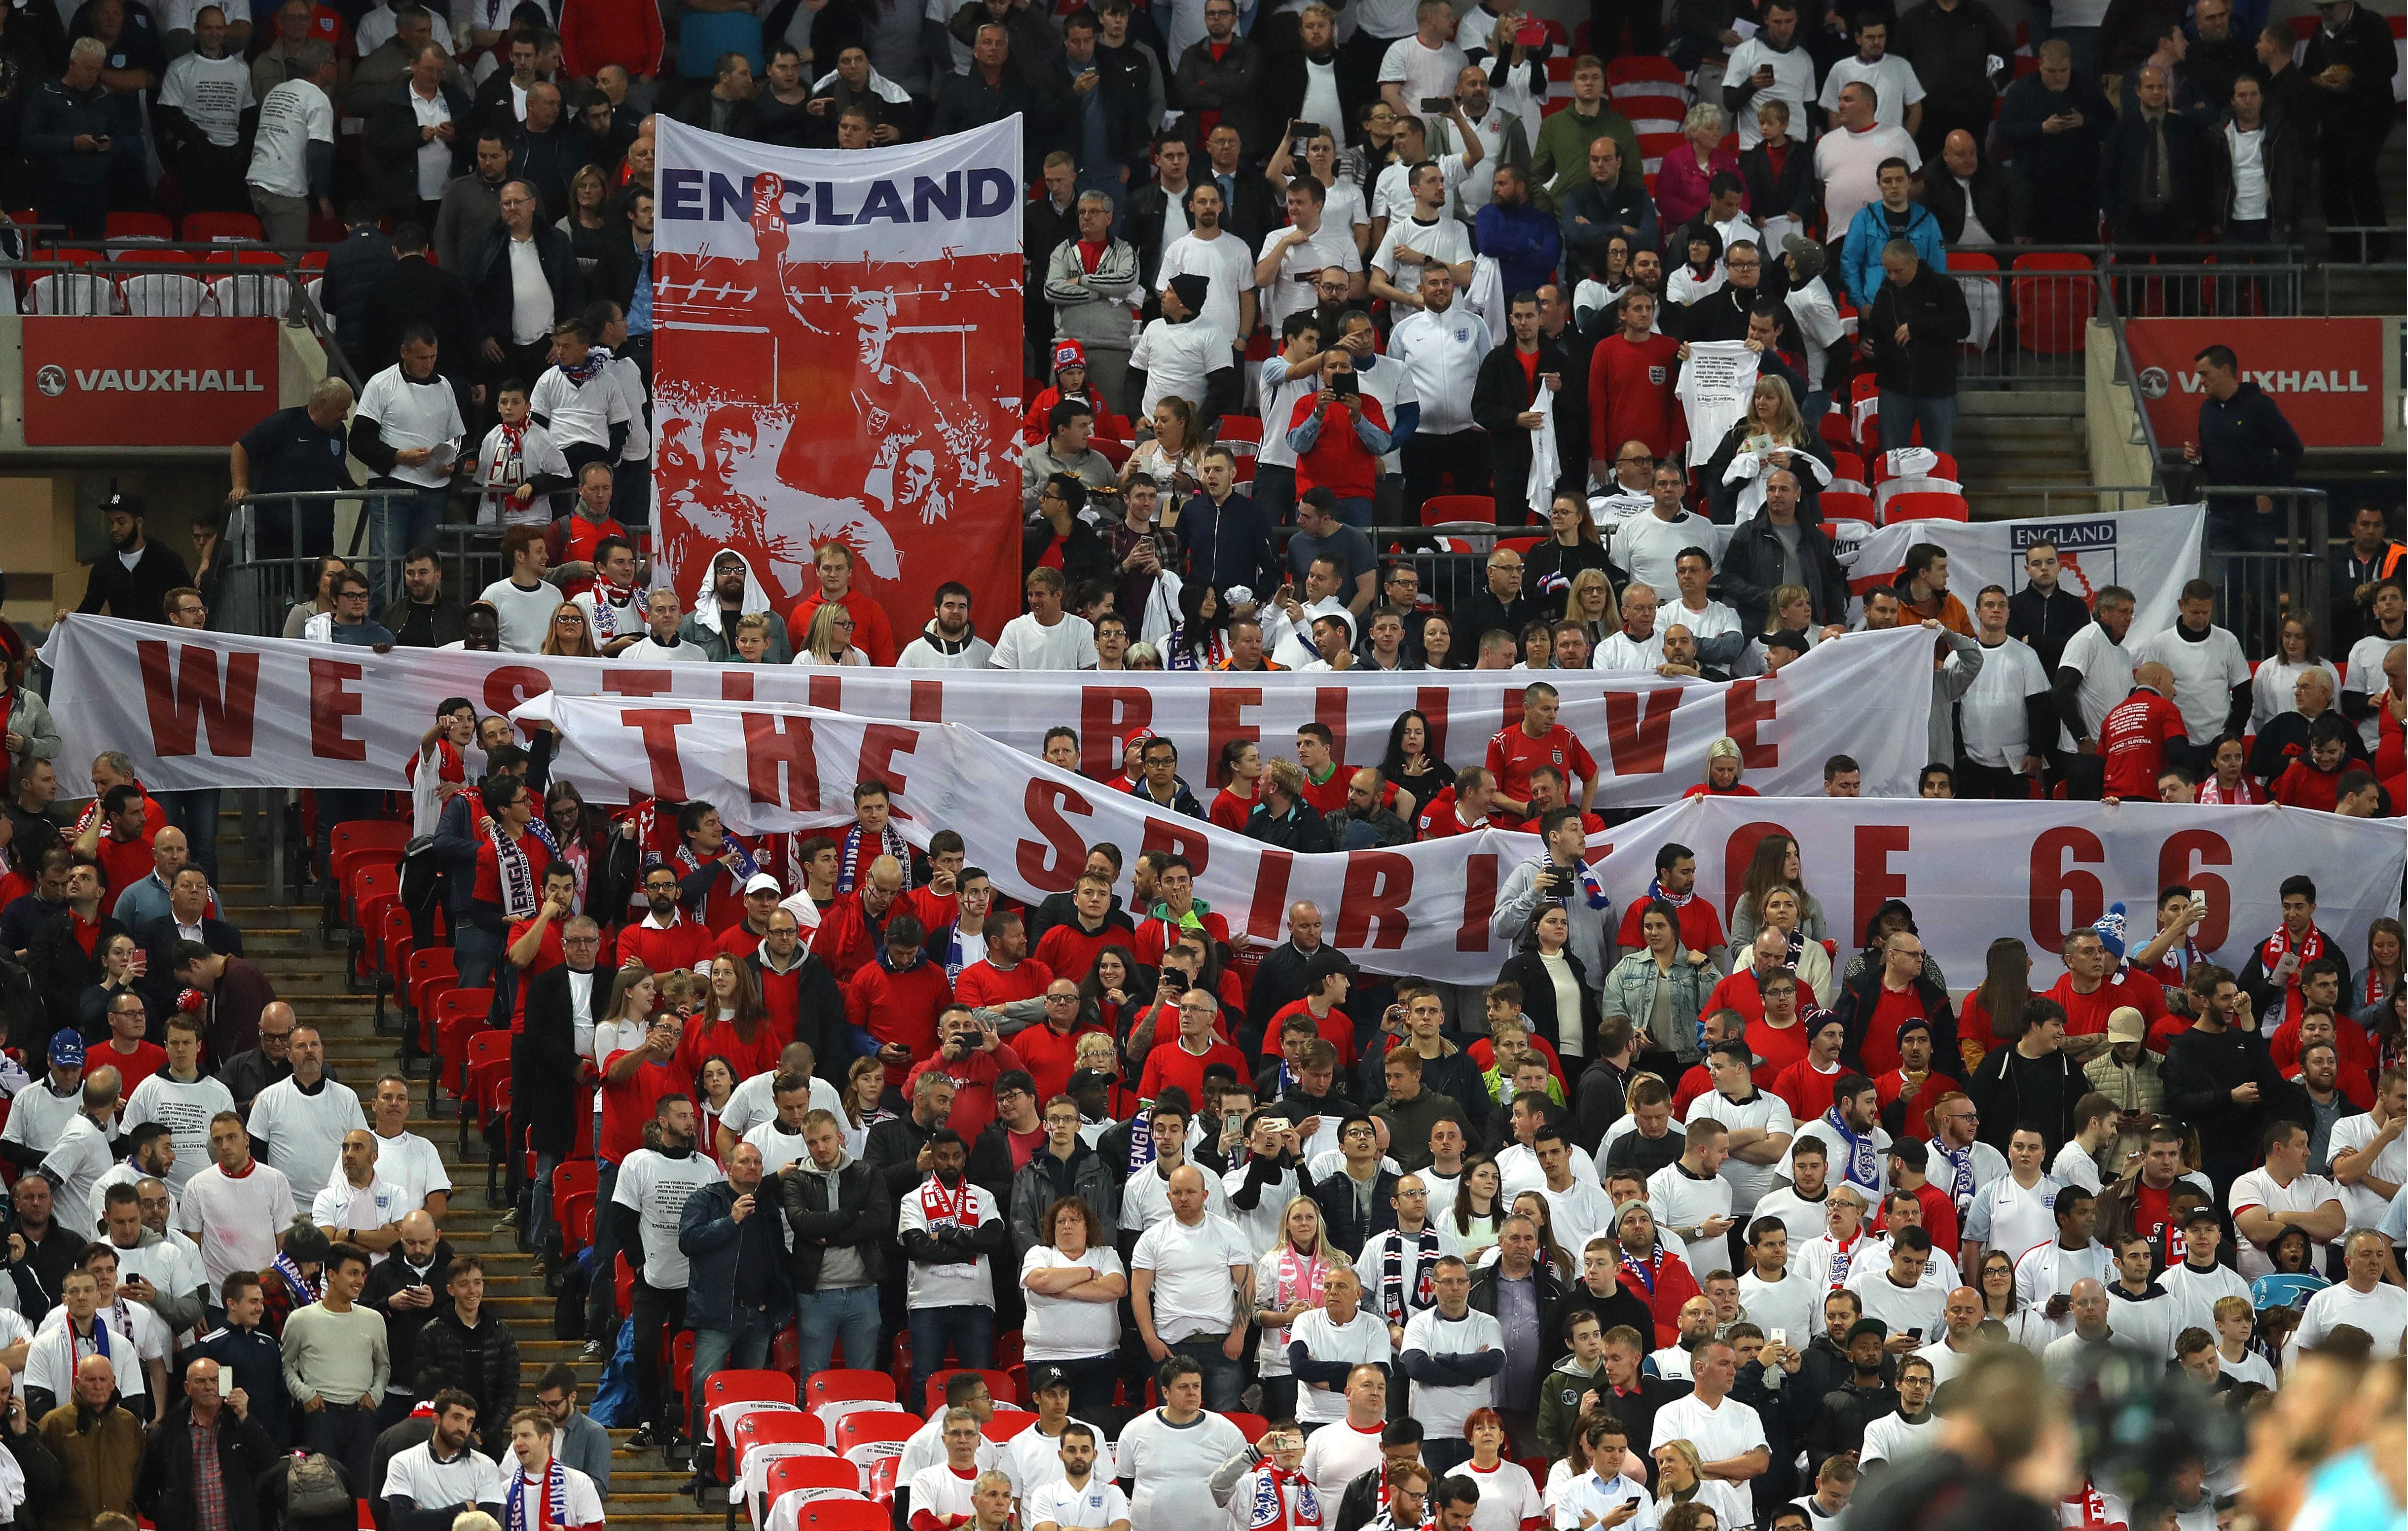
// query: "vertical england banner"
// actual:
[[837, 356]]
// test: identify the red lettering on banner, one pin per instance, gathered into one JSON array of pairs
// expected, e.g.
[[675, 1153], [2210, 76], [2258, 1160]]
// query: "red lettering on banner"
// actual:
[[1513, 701], [1744, 711], [1379, 884], [1876, 884], [181, 703], [735, 685], [1636, 732], [927, 701], [781, 763], [659, 725], [1226, 718], [636, 682], [1106, 713], [331, 700], [1179, 837], [511, 684], [1478, 902], [1738, 851], [2052, 881], [879, 744], [1430, 702], [827, 691], [1052, 864], [1269, 912], [1329, 711], [2179, 861]]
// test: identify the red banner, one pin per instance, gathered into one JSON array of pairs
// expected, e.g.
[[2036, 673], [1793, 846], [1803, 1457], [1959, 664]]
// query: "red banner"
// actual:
[[2325, 375], [837, 358], [162, 383]]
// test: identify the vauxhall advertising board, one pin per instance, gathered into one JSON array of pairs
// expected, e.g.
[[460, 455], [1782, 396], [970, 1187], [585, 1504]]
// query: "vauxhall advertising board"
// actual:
[[2325, 375], [151, 382]]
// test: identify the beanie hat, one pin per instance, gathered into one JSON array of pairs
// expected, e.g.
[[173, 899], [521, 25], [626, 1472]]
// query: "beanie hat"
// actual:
[[2111, 930], [1191, 288], [1068, 353]]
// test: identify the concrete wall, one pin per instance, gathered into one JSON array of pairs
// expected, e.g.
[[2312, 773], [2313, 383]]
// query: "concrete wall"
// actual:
[[2108, 411]]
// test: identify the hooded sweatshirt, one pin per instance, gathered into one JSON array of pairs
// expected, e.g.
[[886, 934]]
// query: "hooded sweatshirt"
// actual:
[[840, 1265]]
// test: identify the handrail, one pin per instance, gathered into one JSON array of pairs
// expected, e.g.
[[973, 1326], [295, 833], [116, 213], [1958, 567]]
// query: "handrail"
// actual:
[[2132, 380]]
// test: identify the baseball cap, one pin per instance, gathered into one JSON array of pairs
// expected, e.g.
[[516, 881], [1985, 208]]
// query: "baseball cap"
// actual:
[[1085, 1079], [1873, 1326], [762, 883], [66, 1050], [1043, 1377], [119, 500], [2124, 1024]]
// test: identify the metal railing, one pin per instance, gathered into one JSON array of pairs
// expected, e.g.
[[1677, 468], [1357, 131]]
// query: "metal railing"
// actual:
[[2027, 325], [259, 591]]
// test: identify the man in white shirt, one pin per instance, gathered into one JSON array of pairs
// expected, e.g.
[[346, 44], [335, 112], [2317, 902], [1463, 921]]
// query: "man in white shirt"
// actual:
[[1913, 1430], [83, 1153], [2093, 677], [1650, 546], [1210, 250], [2281, 1194], [1998, 716], [412, 438], [2365, 1301], [2017, 1211], [2369, 1157], [1847, 159], [1046, 637], [1891, 77], [1778, 1300], [1636, 645], [299, 1120], [2199, 1278], [1078, 1500], [1440, 346], [1424, 65], [1727, 1434], [443, 1472], [1292, 257], [579, 400], [1340, 1333], [647, 1205], [1772, 66], [1689, 1199], [2077, 1161], [2211, 676], [211, 87], [2045, 1277], [238, 1209], [1799, 1203], [1168, 1455], [1896, 1294], [1595, 1499], [359, 1206], [1426, 235], [1453, 1353], [183, 1099], [1961, 1317], [405, 1161], [293, 148], [1190, 1289], [532, 1482], [1344, 1450]]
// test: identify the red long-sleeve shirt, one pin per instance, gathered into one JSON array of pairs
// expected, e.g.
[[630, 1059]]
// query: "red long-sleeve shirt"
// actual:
[[1630, 395], [2133, 742], [594, 33]]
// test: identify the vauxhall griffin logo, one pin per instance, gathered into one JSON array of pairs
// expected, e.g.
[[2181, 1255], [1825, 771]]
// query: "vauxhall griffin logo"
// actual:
[[2154, 382], [51, 381]]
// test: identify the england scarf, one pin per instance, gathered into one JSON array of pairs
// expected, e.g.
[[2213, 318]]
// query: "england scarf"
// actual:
[[958, 1208], [890, 844], [1396, 1305], [552, 1509], [517, 868], [689, 863], [1284, 1501], [1961, 1162], [1861, 1165], [2310, 948], [298, 1284]]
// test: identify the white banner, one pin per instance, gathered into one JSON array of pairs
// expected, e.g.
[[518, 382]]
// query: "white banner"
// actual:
[[215, 709], [2149, 552], [1973, 871]]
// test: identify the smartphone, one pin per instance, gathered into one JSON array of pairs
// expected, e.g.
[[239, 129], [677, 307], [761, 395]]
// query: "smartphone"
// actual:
[[1438, 106], [2198, 898], [1916, 1335], [1780, 1337], [1344, 385], [1299, 145], [1531, 32]]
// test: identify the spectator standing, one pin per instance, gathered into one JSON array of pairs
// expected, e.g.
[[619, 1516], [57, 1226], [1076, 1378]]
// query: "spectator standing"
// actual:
[[2244, 439], [297, 448], [238, 1209], [1954, 46], [98, 1448], [524, 279], [293, 151], [1847, 159], [336, 1363], [134, 577], [472, 1347], [1045, 638], [205, 110], [2054, 124], [1911, 332], [2350, 60], [2154, 169], [1524, 240], [645, 1205], [85, 141], [299, 1122], [471, 204], [408, 431], [1088, 283], [1508, 392], [204, 1455], [418, 139]]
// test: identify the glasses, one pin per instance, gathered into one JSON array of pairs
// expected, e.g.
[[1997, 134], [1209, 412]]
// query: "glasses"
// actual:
[[1061, 999]]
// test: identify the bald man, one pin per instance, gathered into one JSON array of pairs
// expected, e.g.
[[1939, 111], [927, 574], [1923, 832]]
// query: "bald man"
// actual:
[[404, 1287], [169, 1488], [358, 1206], [2143, 734], [98, 1446]]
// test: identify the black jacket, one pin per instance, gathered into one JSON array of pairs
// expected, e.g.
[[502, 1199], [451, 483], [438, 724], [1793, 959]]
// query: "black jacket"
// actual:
[[139, 594], [2245, 439], [1600, 1098], [1149, 208], [2201, 1071], [1839, 1423], [1792, 192], [1616, 1307], [1084, 558], [402, 1325], [862, 1214], [1752, 565], [545, 1062], [1538, 994], [2120, 163], [253, 1362], [2288, 151], [2047, 622], [1349, 1228], [1858, 998], [2010, 1091], [1301, 829], [1498, 393], [62, 972], [2003, 202], [1950, 50], [416, 290], [1932, 305], [447, 620], [2062, 169], [1123, 114], [165, 1490], [1722, 499], [967, 101], [1236, 85], [392, 145], [893, 1155], [489, 279], [482, 1361], [2362, 113], [1550, 1291]]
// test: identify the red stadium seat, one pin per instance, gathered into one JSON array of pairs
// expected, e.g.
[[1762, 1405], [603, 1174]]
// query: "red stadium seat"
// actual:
[[1240, 432], [137, 225], [576, 1218], [461, 1015], [1249, 1425], [1925, 507], [823, 1477], [2053, 299], [1443, 509], [998, 1387], [846, 1516], [1114, 453], [726, 1387], [1844, 504], [873, 1427], [572, 1179], [836, 1384], [204, 227]]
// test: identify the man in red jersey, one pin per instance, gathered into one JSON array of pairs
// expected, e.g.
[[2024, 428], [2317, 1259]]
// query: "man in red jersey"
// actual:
[[2095, 986], [1458, 808], [1325, 775], [2135, 736], [1537, 740], [1070, 948], [664, 939]]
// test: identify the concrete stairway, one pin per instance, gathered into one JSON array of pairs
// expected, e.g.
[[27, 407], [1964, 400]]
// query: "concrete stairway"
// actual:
[[2021, 440], [646, 1495]]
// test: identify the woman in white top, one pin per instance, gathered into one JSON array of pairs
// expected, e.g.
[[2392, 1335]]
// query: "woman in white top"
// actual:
[[829, 642], [629, 1014], [2269, 690], [1776, 861], [1170, 459], [863, 1086], [1508, 1498], [1772, 436], [1074, 1283], [1594, 299], [1793, 612], [1468, 1229], [2026, 1325], [1288, 1282]]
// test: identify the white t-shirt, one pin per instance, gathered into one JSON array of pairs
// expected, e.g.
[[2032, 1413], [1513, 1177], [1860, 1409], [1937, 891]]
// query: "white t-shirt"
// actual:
[[1749, 1184], [77, 1162], [434, 154], [1995, 727], [1284, 295], [510, 1479], [38, 1115], [1791, 1304], [1845, 161], [579, 415], [1065, 1329], [2051, 1270], [305, 1128], [169, 1263], [1092, 1506], [1365, 1339], [954, 1283], [1509, 1499], [2383, 1313], [1177, 359], [1441, 352], [1729, 1428], [2106, 669], [1229, 269], [2005, 1216], [2148, 1325], [2075, 1166], [2204, 673], [756, 1101], [1338, 1453], [294, 115], [526, 614], [412, 1166], [1890, 1438], [1678, 1199], [1650, 548], [134, 1334], [1145, 1196], [2257, 1188], [1422, 71], [1793, 81], [2365, 673], [1894, 82], [1442, 1409], [778, 1148], [214, 94], [1172, 1467], [1033, 1459], [236, 1221], [1027, 644], [658, 1187], [2200, 1290], [2349, 1134], [414, 413], [530, 292], [1193, 1294], [1916, 1307], [415, 1475], [184, 1111], [343, 1205]]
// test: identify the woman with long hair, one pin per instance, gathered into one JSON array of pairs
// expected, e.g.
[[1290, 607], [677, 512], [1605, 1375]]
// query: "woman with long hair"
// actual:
[[713, 1083], [1589, 601], [1678, 1478], [2388, 1028], [1201, 639], [1771, 436], [1287, 1285], [117, 980], [1239, 774], [864, 1101], [2025, 1326], [1601, 286], [1556, 995], [1469, 1228], [1668, 1032], [1112, 989], [2295, 654], [1572, 547], [827, 642], [579, 831], [1775, 863], [2228, 783], [1171, 458], [1994, 1012], [570, 635], [1409, 764], [623, 1023], [591, 229], [1439, 650], [320, 600], [1074, 1281], [733, 1023], [2374, 983]]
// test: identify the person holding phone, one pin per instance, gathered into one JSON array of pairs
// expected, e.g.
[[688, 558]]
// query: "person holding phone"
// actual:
[[1422, 68]]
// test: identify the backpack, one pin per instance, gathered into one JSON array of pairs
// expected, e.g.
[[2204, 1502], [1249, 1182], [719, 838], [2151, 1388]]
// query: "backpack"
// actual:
[[313, 1487], [422, 876]]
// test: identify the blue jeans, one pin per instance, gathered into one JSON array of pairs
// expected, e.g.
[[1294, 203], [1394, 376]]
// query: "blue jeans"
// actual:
[[1223, 1379], [196, 812], [602, 1295], [1274, 494], [479, 951], [969, 1327], [539, 1225], [345, 1432], [1355, 513], [843, 1313], [1900, 412], [742, 1347], [396, 526]]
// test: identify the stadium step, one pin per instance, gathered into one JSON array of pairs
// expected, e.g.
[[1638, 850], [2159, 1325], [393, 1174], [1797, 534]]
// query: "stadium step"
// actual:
[[2023, 439], [283, 938]]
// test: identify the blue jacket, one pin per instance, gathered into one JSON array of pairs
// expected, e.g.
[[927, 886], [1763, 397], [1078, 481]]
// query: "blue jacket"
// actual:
[[1860, 264], [1525, 240], [2245, 439], [1228, 545], [711, 1241], [55, 117]]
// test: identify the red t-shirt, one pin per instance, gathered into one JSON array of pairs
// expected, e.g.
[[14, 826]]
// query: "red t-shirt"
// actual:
[[133, 1068], [2349, 1040], [871, 632], [548, 955], [1337, 1028], [1169, 1063], [1514, 755], [1707, 789], [1806, 1088], [2163, 1031], [2133, 742], [706, 1039], [572, 539], [983, 985], [1230, 811], [1878, 1050], [1917, 1125], [2302, 786], [1437, 819], [1328, 794], [681, 945], [2086, 1015], [1067, 951], [1702, 930], [1630, 394], [124, 862], [1154, 936], [1051, 1057], [627, 1104], [1778, 1046], [2150, 1212]]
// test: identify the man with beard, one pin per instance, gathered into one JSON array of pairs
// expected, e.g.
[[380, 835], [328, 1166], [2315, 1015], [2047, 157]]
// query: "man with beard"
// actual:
[[653, 1186], [732, 593], [132, 579]]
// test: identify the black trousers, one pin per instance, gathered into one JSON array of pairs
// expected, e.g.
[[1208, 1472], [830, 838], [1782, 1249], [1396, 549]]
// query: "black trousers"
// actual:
[[1425, 457], [1607, 18], [1989, 781], [655, 1312], [2085, 776], [2347, 167]]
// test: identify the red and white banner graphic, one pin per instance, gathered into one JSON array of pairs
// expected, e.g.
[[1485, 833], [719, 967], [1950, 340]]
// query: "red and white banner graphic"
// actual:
[[1973, 871], [215, 709], [2150, 551], [2325, 375], [837, 357]]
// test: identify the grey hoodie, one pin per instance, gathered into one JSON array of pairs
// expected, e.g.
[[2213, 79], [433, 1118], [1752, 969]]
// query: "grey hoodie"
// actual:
[[840, 1265]]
